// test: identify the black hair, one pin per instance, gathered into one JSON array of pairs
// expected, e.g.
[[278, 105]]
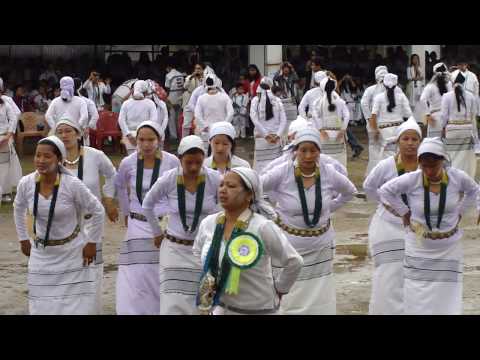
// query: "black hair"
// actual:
[[192, 151], [411, 59], [1, 100], [430, 156], [56, 150], [257, 76], [442, 83], [209, 152], [276, 89], [209, 81], [268, 104], [329, 87], [77, 83], [151, 128], [295, 148], [391, 98], [459, 97], [238, 85]]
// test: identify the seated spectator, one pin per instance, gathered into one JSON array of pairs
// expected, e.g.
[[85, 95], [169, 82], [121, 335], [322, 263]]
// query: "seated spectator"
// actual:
[[41, 101], [21, 100], [51, 75]]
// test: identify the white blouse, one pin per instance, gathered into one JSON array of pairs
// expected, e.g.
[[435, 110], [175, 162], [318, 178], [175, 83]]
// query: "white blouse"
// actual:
[[235, 162], [74, 201], [462, 192], [401, 110], [165, 191], [308, 100], [133, 112], [126, 182], [213, 108], [281, 185], [75, 110], [8, 119], [92, 112], [276, 125], [383, 172], [257, 287], [367, 99], [450, 110], [322, 117], [96, 164], [431, 98]]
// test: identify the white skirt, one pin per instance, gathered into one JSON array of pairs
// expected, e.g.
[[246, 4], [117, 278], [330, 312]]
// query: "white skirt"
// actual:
[[291, 110], [137, 291], [460, 147], [387, 248], [10, 168], [180, 273], [314, 291], [265, 153], [435, 130], [333, 148], [387, 148], [373, 152], [58, 283], [433, 277]]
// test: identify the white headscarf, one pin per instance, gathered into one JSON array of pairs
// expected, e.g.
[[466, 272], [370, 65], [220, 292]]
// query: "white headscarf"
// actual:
[[208, 70], [253, 183], [307, 134], [222, 128], [67, 87], [436, 73], [390, 80], [434, 146], [296, 125], [380, 72], [190, 142], [262, 93], [153, 125], [214, 82], [139, 88], [66, 121], [410, 124], [319, 76]]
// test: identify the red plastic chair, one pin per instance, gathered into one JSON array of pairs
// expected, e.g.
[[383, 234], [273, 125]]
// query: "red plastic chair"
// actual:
[[107, 126]]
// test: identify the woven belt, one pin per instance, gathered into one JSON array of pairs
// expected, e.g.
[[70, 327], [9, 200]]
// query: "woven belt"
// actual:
[[302, 232], [459, 122], [384, 126], [391, 210], [440, 235], [75, 233], [179, 241], [140, 217], [331, 128], [248, 312]]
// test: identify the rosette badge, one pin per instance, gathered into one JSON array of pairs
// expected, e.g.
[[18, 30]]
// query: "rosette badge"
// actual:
[[243, 252]]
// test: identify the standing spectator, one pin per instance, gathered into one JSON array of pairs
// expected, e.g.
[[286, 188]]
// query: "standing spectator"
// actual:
[[91, 110], [254, 77], [21, 100], [192, 82], [287, 79], [50, 75], [314, 67], [41, 101], [240, 101], [174, 86], [415, 77], [96, 88]]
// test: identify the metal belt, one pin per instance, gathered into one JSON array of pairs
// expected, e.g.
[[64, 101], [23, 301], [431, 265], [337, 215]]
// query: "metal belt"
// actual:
[[247, 312], [141, 217], [179, 241], [75, 233], [440, 235], [302, 232], [384, 126], [459, 122], [391, 210], [331, 128]]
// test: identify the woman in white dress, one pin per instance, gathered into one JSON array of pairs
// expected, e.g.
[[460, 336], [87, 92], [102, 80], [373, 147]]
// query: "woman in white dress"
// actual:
[[305, 109], [307, 192], [331, 117], [438, 196], [89, 164], [386, 233], [270, 121], [432, 99], [238, 246], [222, 148], [415, 81], [389, 111], [137, 289], [10, 168], [459, 114], [189, 193], [62, 275]]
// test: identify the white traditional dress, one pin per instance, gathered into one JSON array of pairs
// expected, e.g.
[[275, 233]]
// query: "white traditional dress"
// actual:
[[58, 282], [75, 110], [432, 101], [314, 291], [180, 270], [137, 290], [433, 269]]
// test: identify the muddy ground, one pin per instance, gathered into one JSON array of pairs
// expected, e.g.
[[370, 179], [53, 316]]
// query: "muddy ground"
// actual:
[[352, 265]]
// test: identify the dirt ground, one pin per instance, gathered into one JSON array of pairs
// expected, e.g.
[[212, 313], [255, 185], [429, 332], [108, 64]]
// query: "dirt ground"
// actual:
[[353, 267]]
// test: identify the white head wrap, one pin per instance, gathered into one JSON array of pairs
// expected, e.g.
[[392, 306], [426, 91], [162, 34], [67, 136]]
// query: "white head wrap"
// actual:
[[390, 80], [319, 76], [222, 128], [296, 125], [190, 142], [252, 180], [67, 87], [215, 81], [262, 104], [208, 70], [434, 146], [439, 65], [410, 124], [153, 125], [67, 121], [380, 72], [58, 143], [139, 88], [265, 80], [324, 82], [307, 134]]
